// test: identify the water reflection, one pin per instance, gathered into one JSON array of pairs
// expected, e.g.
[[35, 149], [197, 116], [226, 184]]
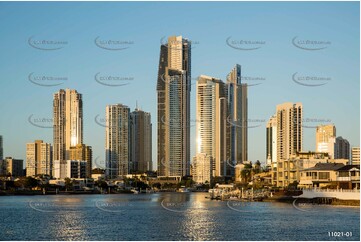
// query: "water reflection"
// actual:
[[69, 226], [144, 218]]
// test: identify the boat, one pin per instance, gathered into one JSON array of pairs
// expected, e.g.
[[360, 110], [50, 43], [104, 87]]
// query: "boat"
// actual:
[[183, 189], [134, 191]]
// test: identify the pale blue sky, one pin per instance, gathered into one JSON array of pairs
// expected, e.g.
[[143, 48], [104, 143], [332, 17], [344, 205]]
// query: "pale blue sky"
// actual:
[[208, 25]]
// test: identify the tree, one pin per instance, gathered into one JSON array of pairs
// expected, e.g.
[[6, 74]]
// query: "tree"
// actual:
[[141, 185], [68, 183], [157, 185], [257, 167], [31, 182], [246, 172], [101, 184]]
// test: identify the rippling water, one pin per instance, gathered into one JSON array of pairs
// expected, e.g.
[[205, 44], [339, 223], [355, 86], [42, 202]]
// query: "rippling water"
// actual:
[[169, 216]]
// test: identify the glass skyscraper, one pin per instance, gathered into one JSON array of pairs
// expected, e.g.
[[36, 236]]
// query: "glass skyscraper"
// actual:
[[173, 89]]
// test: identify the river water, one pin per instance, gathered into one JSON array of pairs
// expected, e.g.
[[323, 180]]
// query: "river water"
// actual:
[[170, 216]]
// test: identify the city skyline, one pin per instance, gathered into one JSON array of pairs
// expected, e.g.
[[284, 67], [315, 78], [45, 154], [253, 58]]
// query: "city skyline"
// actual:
[[316, 100]]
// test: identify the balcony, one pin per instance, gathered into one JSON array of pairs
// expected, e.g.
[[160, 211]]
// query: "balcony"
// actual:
[[355, 178], [310, 178], [345, 178], [348, 178]]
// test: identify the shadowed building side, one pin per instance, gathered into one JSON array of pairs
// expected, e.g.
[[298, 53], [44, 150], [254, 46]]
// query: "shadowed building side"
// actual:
[[173, 89], [237, 133]]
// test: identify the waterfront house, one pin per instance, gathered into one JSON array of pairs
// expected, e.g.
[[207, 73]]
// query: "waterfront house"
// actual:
[[321, 175], [348, 177], [289, 171]]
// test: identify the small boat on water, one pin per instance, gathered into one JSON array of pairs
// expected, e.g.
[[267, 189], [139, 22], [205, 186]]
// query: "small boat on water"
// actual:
[[183, 189], [134, 191]]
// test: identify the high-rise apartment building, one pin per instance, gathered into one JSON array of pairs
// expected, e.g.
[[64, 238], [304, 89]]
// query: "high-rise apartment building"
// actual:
[[68, 123], [271, 141], [284, 136], [11, 166], [140, 142], [84, 153], [289, 129], [173, 89], [237, 117], [1, 148], [211, 127], [211, 113], [326, 139], [342, 148], [39, 158], [355, 153], [117, 138]]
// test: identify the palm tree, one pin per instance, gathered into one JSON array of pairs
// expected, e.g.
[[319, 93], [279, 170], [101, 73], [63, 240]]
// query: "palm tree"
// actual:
[[68, 183], [246, 173]]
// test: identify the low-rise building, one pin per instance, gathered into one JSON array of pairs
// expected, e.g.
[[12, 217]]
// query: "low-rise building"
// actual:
[[83, 184], [202, 168], [98, 174], [58, 182], [70, 169], [321, 175], [288, 171], [348, 177], [166, 179]]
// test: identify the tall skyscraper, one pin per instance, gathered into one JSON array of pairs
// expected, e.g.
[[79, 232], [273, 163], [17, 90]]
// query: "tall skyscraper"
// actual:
[[342, 148], [140, 141], [326, 139], [1, 148], [39, 158], [211, 113], [271, 141], [117, 140], [289, 129], [84, 153], [355, 153], [68, 123], [173, 89], [237, 117], [285, 127]]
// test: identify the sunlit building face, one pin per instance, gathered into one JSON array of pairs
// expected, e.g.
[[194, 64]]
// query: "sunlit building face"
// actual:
[[68, 122]]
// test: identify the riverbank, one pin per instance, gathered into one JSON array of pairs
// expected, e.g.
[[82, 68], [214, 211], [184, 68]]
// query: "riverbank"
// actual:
[[316, 200], [281, 199], [39, 192]]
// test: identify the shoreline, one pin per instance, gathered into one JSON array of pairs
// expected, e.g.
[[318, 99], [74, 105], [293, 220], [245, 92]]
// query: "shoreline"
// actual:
[[282, 199], [316, 201]]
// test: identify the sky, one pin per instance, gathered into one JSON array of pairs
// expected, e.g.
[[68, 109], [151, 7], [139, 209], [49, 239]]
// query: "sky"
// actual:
[[268, 39]]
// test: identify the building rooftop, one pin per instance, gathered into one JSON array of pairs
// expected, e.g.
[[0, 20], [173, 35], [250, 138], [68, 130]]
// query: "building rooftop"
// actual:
[[349, 167], [326, 167]]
